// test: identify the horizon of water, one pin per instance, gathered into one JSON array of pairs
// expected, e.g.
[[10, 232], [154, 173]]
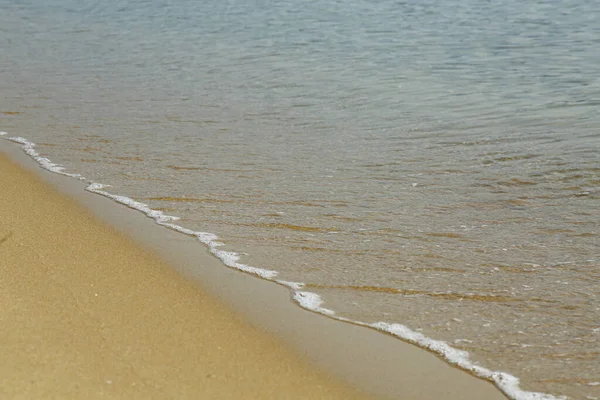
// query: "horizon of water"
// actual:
[[431, 164]]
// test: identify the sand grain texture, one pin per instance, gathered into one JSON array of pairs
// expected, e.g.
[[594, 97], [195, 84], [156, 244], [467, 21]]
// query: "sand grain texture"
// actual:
[[86, 313]]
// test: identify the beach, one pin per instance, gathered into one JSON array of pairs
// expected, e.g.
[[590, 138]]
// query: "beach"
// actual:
[[89, 313], [403, 195]]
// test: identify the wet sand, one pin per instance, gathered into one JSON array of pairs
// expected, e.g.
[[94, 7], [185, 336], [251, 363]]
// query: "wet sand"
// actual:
[[89, 313]]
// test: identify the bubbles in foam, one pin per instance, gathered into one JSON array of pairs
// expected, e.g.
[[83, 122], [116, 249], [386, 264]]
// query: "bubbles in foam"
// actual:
[[311, 301]]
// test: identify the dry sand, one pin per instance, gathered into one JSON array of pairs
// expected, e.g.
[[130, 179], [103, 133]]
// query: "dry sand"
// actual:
[[85, 313]]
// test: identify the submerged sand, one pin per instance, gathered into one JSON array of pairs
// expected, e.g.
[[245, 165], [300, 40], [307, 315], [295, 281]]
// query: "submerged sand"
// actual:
[[86, 313]]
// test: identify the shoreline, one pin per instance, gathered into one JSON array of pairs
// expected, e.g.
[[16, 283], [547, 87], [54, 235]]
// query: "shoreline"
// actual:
[[378, 363], [87, 313]]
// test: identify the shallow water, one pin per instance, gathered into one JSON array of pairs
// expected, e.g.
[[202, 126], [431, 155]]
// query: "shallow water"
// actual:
[[435, 164]]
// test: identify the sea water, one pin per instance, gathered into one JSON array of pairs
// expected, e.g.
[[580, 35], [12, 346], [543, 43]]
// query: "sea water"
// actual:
[[429, 164]]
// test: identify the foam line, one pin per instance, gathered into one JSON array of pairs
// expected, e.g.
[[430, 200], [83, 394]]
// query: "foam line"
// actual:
[[156, 215], [311, 301], [29, 148], [507, 383], [228, 258]]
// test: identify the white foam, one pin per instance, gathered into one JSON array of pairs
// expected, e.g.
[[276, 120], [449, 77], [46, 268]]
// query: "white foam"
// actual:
[[507, 383], [29, 148], [291, 285], [311, 301], [158, 216], [228, 258]]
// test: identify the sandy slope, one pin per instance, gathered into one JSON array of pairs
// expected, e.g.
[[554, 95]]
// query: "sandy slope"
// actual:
[[85, 313]]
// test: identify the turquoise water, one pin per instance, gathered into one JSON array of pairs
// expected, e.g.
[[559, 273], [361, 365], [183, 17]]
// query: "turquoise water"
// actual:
[[434, 164]]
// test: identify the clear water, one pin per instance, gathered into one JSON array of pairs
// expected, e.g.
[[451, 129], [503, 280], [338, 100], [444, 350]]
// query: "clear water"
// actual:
[[430, 163]]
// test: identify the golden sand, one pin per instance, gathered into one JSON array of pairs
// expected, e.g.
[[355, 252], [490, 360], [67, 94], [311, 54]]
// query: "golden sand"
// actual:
[[85, 313]]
